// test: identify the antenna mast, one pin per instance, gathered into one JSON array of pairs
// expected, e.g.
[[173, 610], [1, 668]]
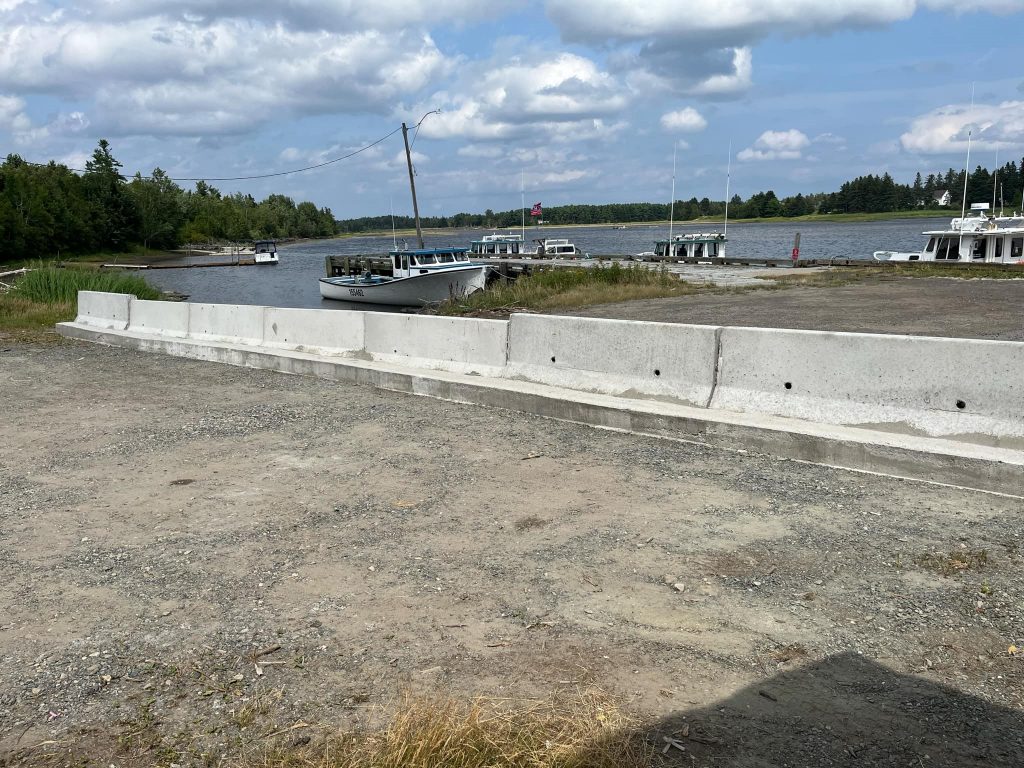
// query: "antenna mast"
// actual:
[[412, 185], [728, 178], [967, 170], [672, 202], [522, 190]]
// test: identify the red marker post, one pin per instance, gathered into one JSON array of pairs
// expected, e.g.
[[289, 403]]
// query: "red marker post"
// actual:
[[796, 247]]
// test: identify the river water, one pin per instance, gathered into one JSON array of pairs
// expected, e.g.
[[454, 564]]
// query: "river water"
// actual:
[[293, 282]]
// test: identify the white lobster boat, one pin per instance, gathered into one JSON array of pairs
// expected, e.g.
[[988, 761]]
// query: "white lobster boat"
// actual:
[[418, 277], [975, 239]]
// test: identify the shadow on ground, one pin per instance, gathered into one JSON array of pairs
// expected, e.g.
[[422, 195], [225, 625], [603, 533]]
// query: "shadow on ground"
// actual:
[[845, 711]]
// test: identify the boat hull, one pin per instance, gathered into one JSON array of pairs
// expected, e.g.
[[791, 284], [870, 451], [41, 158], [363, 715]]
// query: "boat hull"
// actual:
[[431, 287]]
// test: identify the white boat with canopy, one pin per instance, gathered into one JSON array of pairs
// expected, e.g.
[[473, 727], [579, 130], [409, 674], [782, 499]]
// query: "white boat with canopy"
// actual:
[[498, 245], [551, 247], [265, 252], [975, 239], [692, 245]]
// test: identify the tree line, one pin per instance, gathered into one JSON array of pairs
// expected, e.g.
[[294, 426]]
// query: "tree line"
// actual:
[[52, 210], [865, 194]]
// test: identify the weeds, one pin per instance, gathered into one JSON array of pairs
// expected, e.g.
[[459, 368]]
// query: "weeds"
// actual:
[[55, 285], [956, 561], [576, 287], [530, 521]]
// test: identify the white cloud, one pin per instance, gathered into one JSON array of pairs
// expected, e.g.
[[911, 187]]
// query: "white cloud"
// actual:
[[729, 83], [176, 78], [992, 126], [777, 145], [687, 119], [562, 97], [740, 20]]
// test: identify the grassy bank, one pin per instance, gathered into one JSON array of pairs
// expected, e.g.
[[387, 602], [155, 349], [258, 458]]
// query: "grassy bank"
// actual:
[[48, 294], [568, 288]]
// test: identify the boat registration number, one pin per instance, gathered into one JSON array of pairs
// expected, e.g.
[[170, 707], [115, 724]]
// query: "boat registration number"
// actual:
[[355, 291]]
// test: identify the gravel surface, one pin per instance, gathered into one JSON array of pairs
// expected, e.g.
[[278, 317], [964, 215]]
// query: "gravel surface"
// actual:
[[195, 556], [924, 306]]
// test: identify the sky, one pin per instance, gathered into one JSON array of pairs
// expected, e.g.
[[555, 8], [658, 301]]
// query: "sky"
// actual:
[[560, 101]]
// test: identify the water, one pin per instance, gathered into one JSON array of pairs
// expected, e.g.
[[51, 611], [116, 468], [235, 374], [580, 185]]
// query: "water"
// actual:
[[293, 282]]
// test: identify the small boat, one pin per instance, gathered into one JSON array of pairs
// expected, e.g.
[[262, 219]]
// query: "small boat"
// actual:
[[265, 252], [975, 239], [554, 248], [693, 245], [418, 277], [498, 245], [618, 226]]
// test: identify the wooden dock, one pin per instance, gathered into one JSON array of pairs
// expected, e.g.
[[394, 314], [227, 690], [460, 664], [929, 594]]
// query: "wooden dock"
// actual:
[[235, 263]]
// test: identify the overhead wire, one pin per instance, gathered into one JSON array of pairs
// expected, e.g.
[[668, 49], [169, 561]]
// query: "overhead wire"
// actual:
[[266, 175]]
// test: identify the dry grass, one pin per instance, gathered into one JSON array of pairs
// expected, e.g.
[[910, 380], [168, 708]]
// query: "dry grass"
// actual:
[[26, 320], [954, 562], [587, 732]]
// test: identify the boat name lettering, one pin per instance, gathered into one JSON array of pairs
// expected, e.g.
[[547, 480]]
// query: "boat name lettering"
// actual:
[[355, 291]]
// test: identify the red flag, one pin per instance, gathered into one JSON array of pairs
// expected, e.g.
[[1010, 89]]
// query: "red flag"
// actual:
[[536, 210]]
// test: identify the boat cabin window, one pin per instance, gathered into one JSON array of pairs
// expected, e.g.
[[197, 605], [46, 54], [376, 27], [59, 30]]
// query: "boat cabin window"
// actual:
[[999, 249], [978, 248], [712, 249], [446, 258], [461, 257], [425, 258], [948, 249], [661, 249], [1017, 247], [931, 245], [698, 250], [398, 261]]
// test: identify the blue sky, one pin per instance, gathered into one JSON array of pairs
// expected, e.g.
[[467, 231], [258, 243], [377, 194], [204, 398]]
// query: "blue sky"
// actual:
[[581, 99]]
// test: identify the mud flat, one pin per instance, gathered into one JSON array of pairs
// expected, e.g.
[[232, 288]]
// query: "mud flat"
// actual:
[[197, 556]]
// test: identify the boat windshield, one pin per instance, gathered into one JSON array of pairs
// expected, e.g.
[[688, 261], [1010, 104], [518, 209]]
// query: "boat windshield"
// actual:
[[446, 258], [426, 258]]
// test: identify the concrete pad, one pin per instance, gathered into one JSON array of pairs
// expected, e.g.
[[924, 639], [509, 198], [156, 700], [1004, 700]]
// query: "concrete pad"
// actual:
[[168, 318], [442, 343], [618, 357], [104, 310], [226, 322], [966, 389], [326, 331]]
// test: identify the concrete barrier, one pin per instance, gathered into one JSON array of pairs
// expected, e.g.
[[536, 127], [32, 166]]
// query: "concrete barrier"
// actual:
[[320, 331], [104, 310], [616, 357], [440, 343], [231, 323], [164, 318], [965, 389]]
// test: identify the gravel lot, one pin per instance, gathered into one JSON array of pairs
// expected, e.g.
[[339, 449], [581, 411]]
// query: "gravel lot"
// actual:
[[980, 309], [195, 556]]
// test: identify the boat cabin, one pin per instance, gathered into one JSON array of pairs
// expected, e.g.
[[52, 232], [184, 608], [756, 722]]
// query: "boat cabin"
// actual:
[[975, 239], [265, 252], [550, 246], [497, 245], [695, 245], [425, 260]]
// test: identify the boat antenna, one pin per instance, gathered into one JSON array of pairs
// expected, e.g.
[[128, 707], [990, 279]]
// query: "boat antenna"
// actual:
[[967, 170], [995, 178], [728, 178], [522, 190], [672, 202], [394, 234], [412, 181]]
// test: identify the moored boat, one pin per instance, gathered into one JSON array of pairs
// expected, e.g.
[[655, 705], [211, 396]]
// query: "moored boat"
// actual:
[[265, 252], [418, 277], [551, 247], [498, 245], [692, 245], [975, 239]]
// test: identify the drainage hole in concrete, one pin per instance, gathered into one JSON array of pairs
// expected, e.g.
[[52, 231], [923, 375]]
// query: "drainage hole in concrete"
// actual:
[[657, 372], [552, 359], [961, 404], [788, 385]]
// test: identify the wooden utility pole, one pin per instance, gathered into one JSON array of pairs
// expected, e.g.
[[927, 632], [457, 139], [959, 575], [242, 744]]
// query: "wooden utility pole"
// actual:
[[412, 185]]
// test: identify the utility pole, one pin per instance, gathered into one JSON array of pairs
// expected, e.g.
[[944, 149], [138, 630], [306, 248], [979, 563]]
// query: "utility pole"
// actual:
[[412, 185]]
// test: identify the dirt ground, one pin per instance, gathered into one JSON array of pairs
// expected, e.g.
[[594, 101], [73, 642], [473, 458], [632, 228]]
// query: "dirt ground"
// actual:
[[982, 309], [196, 557]]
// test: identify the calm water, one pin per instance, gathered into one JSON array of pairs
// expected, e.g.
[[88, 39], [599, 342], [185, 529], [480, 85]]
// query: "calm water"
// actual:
[[293, 282]]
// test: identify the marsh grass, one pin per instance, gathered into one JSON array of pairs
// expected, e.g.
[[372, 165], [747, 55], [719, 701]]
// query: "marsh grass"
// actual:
[[573, 287], [56, 285]]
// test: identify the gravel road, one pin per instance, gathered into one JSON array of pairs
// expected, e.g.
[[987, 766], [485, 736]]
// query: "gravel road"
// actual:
[[194, 556]]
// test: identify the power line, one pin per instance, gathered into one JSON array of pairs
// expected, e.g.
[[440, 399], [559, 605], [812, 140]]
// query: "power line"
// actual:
[[260, 175]]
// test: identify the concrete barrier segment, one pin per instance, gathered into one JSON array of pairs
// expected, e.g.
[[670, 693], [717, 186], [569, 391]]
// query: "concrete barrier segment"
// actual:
[[966, 389], [165, 318], [440, 343], [238, 323], [104, 310], [616, 357], [325, 331]]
